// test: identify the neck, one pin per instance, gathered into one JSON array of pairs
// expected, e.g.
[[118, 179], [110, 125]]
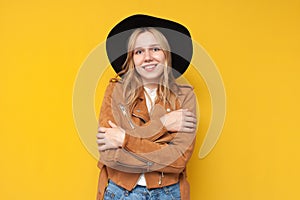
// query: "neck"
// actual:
[[150, 85]]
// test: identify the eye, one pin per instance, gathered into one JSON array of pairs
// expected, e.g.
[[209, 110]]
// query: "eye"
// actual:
[[137, 52], [156, 49]]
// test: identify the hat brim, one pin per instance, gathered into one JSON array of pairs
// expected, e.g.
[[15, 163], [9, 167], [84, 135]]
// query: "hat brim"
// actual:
[[178, 36]]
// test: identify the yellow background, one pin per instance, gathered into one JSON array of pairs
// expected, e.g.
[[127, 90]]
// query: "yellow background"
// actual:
[[255, 44]]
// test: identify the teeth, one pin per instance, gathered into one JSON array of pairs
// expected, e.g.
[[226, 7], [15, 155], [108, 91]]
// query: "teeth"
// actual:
[[149, 66]]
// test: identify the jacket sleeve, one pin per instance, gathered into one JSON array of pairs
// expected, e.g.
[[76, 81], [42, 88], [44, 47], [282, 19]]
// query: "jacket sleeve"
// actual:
[[106, 107]]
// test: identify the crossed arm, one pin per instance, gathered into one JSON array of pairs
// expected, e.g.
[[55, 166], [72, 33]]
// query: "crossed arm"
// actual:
[[122, 150]]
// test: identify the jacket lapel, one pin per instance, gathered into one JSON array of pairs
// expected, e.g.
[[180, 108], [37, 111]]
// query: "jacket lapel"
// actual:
[[140, 108]]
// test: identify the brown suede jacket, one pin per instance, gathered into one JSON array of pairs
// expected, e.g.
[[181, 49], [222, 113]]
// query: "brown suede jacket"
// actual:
[[148, 147]]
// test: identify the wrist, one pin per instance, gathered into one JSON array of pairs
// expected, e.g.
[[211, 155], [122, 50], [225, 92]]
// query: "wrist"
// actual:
[[163, 120], [122, 138]]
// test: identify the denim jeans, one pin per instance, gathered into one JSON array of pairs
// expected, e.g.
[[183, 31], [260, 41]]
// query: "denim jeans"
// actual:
[[115, 192]]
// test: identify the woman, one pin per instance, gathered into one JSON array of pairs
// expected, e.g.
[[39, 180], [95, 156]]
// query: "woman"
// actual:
[[147, 121]]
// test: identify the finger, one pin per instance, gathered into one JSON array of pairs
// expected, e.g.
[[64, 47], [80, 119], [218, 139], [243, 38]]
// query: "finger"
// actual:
[[100, 135], [188, 130], [189, 125], [102, 148], [190, 119], [189, 113], [105, 147], [112, 124], [102, 129], [100, 142]]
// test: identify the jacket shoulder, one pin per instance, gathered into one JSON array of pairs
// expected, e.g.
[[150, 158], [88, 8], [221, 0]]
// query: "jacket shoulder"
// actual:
[[185, 88], [114, 84]]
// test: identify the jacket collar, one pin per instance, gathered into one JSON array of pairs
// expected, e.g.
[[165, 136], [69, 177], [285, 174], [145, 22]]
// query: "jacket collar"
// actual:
[[140, 108]]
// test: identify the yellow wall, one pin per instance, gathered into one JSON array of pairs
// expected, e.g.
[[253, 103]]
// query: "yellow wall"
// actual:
[[255, 44]]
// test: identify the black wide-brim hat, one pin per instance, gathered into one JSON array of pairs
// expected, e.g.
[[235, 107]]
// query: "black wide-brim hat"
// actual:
[[178, 36]]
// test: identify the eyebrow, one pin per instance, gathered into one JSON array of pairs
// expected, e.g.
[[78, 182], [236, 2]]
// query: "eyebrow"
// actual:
[[152, 45]]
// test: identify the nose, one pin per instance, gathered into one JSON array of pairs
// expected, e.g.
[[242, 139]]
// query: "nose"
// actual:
[[148, 56]]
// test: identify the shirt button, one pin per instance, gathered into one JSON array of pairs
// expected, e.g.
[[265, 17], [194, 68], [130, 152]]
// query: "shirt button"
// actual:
[[138, 110]]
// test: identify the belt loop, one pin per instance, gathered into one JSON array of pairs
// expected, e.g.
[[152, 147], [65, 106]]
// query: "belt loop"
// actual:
[[166, 189], [126, 193]]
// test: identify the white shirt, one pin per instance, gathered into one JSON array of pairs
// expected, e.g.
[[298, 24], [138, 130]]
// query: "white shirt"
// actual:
[[152, 94], [149, 102]]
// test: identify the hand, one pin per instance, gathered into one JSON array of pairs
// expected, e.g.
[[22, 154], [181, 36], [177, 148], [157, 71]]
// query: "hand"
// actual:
[[179, 120], [110, 138]]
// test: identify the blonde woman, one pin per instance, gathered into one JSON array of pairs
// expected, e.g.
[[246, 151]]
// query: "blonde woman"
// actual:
[[147, 121]]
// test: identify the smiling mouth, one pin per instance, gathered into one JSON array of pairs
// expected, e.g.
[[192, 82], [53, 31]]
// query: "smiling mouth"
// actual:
[[149, 67]]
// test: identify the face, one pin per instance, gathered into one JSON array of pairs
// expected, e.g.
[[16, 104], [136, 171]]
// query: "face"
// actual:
[[149, 58]]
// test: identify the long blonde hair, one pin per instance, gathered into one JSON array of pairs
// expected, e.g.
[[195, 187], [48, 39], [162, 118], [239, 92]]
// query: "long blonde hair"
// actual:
[[132, 81]]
